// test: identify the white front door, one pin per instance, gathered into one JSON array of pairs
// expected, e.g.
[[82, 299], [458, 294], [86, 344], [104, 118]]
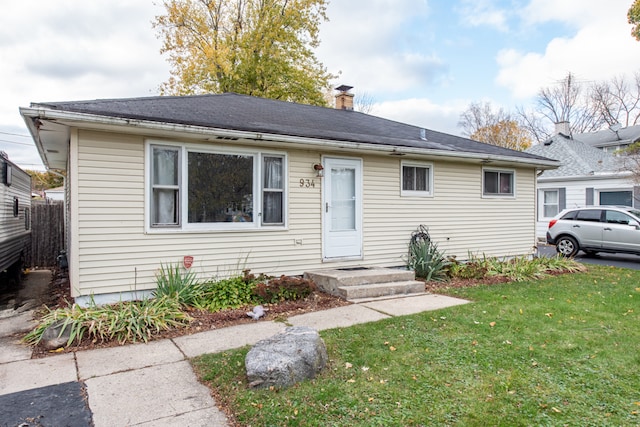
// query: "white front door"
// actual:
[[342, 208]]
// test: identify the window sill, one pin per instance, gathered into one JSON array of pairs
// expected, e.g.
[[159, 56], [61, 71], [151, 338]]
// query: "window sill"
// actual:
[[421, 194], [252, 229]]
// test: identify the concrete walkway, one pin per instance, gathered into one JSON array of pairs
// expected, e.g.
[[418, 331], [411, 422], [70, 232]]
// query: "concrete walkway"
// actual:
[[153, 384]]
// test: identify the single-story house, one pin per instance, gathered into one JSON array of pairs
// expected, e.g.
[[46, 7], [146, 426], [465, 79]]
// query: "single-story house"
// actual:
[[590, 172], [239, 182]]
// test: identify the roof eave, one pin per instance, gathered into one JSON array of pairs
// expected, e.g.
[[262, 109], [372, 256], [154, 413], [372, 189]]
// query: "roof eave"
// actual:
[[100, 121], [30, 122]]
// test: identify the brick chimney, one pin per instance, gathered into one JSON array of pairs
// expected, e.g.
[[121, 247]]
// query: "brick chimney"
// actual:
[[344, 99], [563, 128]]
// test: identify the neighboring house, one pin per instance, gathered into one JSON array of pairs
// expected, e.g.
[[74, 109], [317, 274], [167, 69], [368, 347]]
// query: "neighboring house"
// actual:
[[15, 217], [280, 188], [590, 172], [54, 193], [611, 140]]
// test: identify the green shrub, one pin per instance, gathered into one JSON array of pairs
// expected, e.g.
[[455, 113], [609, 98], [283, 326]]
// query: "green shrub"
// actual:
[[424, 258], [226, 293], [284, 288], [124, 322]]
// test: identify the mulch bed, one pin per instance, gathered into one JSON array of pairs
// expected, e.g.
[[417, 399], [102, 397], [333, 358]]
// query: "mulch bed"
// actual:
[[60, 296]]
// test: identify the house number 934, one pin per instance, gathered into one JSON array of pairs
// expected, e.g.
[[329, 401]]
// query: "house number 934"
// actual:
[[307, 183]]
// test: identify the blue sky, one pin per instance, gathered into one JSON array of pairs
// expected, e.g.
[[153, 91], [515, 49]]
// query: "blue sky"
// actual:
[[421, 61]]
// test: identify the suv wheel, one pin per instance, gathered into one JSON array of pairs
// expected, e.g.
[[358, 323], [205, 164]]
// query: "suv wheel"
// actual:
[[567, 246]]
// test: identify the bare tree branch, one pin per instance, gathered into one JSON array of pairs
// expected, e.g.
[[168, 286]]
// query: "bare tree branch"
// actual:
[[618, 100], [364, 102]]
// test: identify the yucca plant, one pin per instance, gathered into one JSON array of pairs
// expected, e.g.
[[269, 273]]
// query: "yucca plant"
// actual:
[[424, 258], [171, 280]]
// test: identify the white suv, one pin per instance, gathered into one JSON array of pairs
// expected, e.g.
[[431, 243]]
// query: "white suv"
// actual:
[[596, 229]]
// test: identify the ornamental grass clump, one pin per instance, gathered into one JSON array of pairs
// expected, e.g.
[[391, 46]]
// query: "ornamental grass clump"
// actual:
[[124, 322], [516, 269]]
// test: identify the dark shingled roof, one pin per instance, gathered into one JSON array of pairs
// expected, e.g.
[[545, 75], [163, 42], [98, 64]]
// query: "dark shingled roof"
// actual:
[[267, 116]]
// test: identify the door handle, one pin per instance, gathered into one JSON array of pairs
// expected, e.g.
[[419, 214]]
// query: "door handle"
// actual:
[[607, 229], [326, 208], [576, 226]]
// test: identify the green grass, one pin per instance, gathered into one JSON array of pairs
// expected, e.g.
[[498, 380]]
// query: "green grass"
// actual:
[[560, 351]]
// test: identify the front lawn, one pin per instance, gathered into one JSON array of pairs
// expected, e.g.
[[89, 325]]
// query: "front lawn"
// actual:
[[560, 351]]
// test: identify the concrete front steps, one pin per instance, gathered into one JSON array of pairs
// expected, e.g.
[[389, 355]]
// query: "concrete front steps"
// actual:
[[366, 283]]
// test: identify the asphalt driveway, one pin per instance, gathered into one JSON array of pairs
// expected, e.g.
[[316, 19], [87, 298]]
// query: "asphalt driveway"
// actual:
[[615, 260]]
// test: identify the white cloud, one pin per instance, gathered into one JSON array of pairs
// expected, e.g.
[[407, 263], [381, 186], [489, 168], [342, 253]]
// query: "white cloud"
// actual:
[[600, 48], [423, 112], [64, 50], [576, 13], [476, 13], [369, 43], [70, 50]]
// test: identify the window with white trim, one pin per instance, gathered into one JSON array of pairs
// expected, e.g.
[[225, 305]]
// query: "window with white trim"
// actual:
[[165, 186], [417, 179], [192, 188], [497, 182], [550, 203], [272, 190]]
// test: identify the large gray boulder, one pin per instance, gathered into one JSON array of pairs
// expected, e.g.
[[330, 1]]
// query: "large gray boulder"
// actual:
[[293, 355]]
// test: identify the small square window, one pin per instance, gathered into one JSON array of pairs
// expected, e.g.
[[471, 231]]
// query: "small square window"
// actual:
[[416, 179], [498, 183]]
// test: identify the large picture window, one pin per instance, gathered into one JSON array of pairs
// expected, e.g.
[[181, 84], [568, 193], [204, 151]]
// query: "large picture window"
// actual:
[[498, 183], [416, 179], [220, 188], [195, 189]]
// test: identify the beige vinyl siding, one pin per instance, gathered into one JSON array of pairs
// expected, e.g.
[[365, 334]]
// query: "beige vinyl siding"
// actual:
[[459, 218], [115, 254]]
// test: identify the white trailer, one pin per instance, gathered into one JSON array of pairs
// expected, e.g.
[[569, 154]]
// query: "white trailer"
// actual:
[[15, 218]]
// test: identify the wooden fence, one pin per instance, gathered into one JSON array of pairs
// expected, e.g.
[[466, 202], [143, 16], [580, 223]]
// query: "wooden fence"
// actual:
[[47, 232]]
